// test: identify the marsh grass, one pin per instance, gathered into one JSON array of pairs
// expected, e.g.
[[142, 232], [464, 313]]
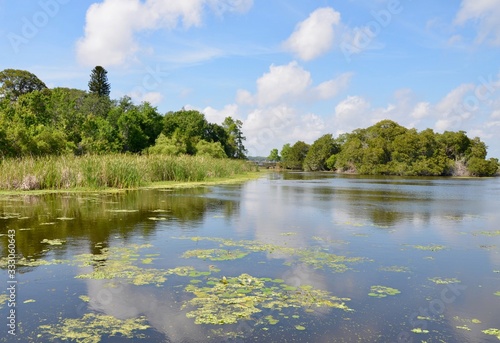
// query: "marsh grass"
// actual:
[[115, 171]]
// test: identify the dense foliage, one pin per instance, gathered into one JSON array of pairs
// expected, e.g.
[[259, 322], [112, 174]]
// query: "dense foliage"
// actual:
[[38, 121], [388, 148]]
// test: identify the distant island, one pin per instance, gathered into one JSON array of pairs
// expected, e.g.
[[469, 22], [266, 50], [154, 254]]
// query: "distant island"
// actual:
[[388, 148]]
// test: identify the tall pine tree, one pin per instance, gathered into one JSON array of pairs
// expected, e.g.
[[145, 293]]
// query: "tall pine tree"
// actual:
[[98, 83]]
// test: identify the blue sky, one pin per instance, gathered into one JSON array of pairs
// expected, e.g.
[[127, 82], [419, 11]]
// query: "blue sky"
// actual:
[[290, 70]]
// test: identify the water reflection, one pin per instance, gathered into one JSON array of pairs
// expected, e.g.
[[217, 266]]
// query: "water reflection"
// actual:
[[100, 218], [387, 221]]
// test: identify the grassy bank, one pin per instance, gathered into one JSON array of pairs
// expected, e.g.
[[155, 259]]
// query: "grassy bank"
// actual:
[[113, 171]]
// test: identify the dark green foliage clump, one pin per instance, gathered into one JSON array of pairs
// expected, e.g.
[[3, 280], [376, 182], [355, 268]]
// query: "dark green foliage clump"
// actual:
[[388, 148]]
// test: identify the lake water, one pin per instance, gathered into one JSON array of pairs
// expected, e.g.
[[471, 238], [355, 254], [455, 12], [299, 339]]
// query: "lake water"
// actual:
[[294, 257]]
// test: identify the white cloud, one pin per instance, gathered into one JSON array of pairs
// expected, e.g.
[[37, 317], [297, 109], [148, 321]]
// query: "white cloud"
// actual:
[[314, 36], [291, 83], [217, 116], [272, 127], [111, 25], [485, 13], [281, 82], [331, 88], [421, 110]]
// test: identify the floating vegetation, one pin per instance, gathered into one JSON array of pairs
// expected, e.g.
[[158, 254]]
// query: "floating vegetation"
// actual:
[[3, 300], [382, 291], [92, 327], [431, 247], [288, 234], [29, 301], [395, 269], [444, 281], [463, 327], [24, 262], [492, 332], [487, 233], [53, 241], [230, 299], [84, 298], [311, 256], [488, 247], [215, 254], [116, 263], [419, 330], [466, 320], [497, 293], [299, 327]]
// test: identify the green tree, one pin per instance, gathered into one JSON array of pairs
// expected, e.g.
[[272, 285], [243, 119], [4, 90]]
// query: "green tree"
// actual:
[[297, 155], [319, 152], [211, 149], [285, 154], [98, 83], [235, 138], [15, 82], [168, 146], [189, 126], [274, 156], [482, 167]]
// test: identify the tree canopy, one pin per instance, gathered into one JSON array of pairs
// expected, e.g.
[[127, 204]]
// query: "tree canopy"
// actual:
[[40, 121], [14, 83], [388, 148]]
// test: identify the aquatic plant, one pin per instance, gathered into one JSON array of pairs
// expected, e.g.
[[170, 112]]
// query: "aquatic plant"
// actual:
[[313, 256], [419, 330], [53, 241], [382, 291], [492, 332], [114, 170], [431, 247], [443, 281], [487, 233], [92, 327], [228, 300], [215, 254], [3, 300], [395, 269]]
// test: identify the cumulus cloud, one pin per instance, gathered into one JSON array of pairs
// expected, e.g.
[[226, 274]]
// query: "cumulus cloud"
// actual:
[[281, 82], [485, 13], [290, 83], [314, 36], [111, 25]]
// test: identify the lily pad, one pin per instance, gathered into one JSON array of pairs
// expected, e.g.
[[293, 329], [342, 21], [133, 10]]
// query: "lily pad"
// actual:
[[419, 330], [300, 327]]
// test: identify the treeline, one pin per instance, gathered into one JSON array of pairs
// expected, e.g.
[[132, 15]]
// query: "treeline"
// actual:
[[38, 121], [388, 148]]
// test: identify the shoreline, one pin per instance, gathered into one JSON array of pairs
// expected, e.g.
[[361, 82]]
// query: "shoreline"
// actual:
[[239, 178]]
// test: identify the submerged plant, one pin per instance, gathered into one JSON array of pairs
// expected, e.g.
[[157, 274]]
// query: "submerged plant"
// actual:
[[92, 327], [230, 299]]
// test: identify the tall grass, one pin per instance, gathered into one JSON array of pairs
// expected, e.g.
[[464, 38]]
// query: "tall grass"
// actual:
[[117, 171]]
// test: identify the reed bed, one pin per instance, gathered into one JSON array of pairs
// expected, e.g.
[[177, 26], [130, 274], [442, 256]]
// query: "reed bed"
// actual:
[[115, 171]]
